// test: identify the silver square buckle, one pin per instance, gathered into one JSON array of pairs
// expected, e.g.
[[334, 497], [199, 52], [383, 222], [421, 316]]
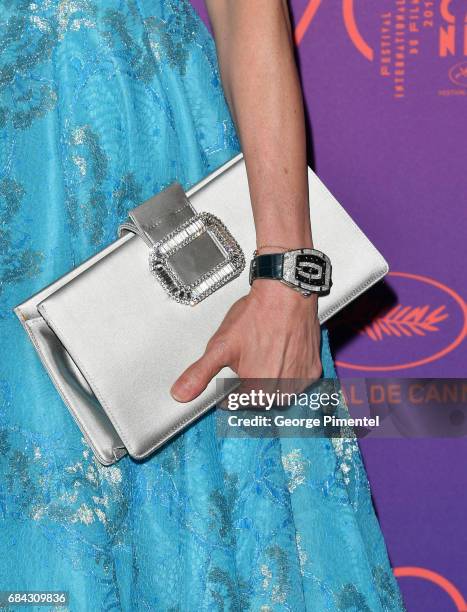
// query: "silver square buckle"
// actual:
[[223, 272]]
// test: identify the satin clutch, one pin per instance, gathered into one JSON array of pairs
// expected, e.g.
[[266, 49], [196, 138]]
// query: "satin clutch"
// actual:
[[116, 332]]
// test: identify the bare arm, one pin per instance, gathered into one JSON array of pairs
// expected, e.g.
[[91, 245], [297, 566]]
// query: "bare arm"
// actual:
[[259, 75], [273, 332]]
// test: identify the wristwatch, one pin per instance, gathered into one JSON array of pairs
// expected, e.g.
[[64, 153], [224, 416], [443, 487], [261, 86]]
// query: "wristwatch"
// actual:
[[305, 270]]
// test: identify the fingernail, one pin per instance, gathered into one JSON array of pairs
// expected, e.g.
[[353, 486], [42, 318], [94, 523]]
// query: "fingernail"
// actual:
[[175, 393], [180, 391]]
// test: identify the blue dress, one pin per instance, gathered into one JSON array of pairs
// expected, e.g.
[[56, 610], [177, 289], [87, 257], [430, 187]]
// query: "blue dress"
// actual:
[[102, 104]]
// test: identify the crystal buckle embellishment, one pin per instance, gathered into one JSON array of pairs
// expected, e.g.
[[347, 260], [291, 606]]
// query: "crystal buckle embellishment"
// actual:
[[228, 269]]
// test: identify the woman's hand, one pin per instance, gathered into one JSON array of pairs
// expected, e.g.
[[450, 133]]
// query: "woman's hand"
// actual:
[[273, 332]]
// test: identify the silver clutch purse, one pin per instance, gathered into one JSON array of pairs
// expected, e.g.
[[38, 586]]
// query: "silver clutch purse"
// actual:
[[116, 332]]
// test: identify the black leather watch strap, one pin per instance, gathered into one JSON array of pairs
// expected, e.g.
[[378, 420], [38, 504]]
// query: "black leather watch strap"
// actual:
[[267, 266], [305, 270]]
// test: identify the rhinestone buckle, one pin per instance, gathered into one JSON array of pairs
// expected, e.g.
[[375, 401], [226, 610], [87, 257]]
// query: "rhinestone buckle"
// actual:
[[231, 266]]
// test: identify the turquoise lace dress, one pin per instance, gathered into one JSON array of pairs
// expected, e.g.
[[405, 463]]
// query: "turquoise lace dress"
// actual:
[[102, 104]]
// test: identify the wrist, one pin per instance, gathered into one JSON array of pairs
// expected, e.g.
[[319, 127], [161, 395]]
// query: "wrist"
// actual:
[[269, 247], [277, 294]]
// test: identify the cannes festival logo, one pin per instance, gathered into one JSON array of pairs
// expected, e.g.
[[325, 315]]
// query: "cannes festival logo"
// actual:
[[350, 22], [452, 31], [434, 578], [428, 322], [406, 321], [458, 74]]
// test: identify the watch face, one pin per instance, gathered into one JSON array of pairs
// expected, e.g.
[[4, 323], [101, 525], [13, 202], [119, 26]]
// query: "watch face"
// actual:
[[307, 270], [311, 270]]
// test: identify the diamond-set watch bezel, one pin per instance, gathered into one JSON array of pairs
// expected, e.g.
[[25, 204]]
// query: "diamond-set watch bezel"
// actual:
[[228, 269], [290, 269]]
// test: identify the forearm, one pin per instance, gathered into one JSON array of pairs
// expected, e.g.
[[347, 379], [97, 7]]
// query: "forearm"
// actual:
[[261, 84]]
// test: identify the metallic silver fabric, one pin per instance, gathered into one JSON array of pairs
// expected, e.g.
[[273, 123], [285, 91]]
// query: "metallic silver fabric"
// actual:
[[113, 341]]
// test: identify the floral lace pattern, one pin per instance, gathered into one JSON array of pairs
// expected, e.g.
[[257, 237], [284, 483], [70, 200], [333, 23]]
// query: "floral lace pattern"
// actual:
[[102, 104]]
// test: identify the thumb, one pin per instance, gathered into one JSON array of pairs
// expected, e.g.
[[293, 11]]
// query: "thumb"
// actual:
[[196, 378]]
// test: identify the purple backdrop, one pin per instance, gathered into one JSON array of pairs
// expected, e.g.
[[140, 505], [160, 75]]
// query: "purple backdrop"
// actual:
[[386, 91]]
